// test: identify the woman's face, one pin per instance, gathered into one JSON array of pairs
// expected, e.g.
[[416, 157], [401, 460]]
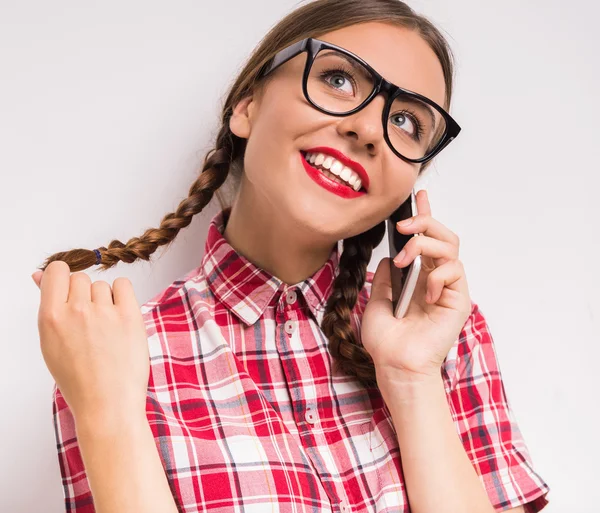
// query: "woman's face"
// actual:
[[279, 123]]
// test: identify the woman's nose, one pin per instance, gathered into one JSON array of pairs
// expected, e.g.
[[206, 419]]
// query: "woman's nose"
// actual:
[[365, 126]]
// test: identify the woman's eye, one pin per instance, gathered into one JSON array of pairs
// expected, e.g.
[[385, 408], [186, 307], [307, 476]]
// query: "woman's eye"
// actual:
[[339, 80], [405, 123]]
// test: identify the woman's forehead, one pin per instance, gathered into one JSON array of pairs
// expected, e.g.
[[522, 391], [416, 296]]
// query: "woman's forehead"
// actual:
[[401, 55]]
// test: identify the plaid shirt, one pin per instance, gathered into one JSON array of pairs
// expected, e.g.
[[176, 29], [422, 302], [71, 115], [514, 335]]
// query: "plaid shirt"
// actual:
[[248, 415]]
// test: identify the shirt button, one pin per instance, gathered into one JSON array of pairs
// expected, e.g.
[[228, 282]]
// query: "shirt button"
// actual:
[[289, 327], [291, 297], [310, 416]]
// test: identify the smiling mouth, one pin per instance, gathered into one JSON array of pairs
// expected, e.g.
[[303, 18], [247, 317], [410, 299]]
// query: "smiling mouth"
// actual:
[[331, 176]]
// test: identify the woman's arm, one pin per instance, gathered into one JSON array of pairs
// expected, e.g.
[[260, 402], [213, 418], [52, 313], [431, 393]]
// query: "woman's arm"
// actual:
[[123, 465], [439, 476]]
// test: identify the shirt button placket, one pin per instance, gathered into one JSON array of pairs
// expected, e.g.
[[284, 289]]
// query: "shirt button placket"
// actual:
[[290, 298]]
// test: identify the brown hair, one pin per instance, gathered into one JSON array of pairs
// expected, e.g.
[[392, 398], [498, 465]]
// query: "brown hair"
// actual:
[[226, 158]]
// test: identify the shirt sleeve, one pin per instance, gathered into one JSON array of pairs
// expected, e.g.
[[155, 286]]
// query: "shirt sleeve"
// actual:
[[76, 488], [486, 423]]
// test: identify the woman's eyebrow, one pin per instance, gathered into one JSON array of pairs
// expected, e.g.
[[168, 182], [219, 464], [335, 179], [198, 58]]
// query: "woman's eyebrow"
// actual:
[[347, 58]]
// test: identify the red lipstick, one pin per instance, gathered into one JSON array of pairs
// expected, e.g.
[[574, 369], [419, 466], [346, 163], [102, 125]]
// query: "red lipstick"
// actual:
[[327, 183], [355, 166]]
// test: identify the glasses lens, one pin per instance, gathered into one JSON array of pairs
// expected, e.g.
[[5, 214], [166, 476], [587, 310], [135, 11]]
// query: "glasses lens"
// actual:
[[338, 83]]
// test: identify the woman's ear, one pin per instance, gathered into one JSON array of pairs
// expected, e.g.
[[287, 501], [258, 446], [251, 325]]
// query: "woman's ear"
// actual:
[[240, 122]]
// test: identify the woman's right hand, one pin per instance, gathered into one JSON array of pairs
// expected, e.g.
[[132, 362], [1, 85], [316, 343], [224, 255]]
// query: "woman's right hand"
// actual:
[[94, 346]]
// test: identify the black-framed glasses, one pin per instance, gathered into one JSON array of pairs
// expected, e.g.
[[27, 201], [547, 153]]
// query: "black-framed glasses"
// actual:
[[339, 83]]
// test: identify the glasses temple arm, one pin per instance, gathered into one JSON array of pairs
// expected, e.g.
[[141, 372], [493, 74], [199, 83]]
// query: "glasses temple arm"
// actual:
[[285, 55]]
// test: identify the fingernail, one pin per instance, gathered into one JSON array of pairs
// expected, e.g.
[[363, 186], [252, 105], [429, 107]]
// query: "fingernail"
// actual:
[[406, 222], [400, 256]]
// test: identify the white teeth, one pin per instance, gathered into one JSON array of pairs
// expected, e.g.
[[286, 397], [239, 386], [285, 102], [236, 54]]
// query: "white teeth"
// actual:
[[346, 174], [336, 167]]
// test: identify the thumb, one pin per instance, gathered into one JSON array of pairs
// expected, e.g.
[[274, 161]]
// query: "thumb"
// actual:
[[37, 277], [381, 288]]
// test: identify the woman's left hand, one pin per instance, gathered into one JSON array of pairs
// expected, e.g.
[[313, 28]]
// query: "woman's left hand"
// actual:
[[414, 348]]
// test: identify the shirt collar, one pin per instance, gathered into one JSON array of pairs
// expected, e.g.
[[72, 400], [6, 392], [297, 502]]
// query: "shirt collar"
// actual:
[[246, 289]]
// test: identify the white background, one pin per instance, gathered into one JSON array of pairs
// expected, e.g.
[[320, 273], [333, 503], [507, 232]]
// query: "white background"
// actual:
[[106, 111]]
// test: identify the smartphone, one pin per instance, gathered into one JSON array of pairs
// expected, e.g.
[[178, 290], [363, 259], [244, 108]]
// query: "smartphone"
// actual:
[[404, 280]]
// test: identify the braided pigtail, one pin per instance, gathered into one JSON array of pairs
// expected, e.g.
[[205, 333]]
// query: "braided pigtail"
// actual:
[[214, 173], [350, 356]]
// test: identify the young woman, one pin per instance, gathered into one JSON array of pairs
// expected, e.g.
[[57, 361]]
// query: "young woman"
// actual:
[[274, 377]]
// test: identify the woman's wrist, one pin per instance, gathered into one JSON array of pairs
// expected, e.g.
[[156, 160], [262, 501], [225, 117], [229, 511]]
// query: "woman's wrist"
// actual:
[[107, 423], [406, 384]]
